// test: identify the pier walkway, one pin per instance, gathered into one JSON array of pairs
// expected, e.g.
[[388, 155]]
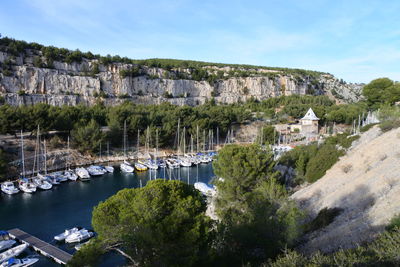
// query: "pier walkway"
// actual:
[[60, 256]]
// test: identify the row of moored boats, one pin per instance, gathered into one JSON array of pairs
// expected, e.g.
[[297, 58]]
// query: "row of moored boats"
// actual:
[[172, 162], [47, 181]]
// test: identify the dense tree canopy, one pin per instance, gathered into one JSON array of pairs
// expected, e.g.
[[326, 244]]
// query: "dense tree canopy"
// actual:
[[161, 224], [381, 91]]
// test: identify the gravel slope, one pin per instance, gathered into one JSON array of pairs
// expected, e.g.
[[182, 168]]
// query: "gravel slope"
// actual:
[[365, 183]]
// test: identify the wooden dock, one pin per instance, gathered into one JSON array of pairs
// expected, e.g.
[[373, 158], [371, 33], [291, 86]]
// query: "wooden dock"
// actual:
[[60, 256]]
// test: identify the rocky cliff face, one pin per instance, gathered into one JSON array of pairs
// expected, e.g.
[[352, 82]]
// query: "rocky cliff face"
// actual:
[[74, 83]]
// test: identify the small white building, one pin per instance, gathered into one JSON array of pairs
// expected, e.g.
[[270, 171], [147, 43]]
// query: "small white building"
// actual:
[[309, 123]]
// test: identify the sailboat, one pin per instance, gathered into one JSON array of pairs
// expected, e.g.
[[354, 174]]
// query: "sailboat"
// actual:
[[126, 166], [23, 183], [139, 166], [50, 178], [185, 161], [149, 163], [12, 252], [109, 168], [68, 173], [39, 181]]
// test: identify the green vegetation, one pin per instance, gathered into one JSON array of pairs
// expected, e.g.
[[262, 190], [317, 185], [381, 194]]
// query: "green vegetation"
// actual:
[[257, 219], [312, 161], [161, 224], [389, 117], [381, 91], [3, 164], [87, 138], [384, 251]]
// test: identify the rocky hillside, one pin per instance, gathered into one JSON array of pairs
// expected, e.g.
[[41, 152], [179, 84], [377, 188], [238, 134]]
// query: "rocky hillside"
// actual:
[[31, 73], [364, 185]]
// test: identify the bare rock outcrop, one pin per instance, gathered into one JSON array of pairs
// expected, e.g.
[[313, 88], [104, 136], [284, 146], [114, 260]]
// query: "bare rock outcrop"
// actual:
[[73, 83]]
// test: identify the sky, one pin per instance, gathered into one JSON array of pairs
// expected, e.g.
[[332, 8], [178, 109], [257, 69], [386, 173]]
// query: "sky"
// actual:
[[357, 41]]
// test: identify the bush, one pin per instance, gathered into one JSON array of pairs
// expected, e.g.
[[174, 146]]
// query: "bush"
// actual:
[[389, 125], [167, 95], [323, 219], [21, 93], [394, 222]]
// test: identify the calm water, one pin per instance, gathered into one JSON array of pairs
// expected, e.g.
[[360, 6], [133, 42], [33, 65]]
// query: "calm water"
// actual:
[[48, 213]]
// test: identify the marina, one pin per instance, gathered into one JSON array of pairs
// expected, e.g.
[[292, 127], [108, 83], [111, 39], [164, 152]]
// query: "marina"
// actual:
[[47, 213]]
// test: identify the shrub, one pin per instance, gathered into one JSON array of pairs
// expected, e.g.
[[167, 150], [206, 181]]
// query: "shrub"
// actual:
[[394, 222], [122, 96], [21, 93], [167, 95], [389, 125], [323, 219]]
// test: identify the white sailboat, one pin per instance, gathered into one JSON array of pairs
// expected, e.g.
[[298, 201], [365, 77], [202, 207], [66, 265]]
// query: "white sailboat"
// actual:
[[68, 173], [12, 252], [9, 188], [23, 183], [139, 166], [109, 168], [126, 166], [5, 241]]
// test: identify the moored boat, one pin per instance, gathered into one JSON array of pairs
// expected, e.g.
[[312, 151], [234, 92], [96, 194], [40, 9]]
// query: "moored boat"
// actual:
[[140, 167], [95, 170], [79, 236], [126, 167], [12, 252], [83, 174], [9, 188], [109, 169], [14, 262], [26, 186], [71, 175], [42, 183], [65, 234]]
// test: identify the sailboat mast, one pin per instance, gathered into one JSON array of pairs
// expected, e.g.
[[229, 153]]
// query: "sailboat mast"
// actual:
[[22, 154], [45, 157], [184, 140], [179, 122], [191, 143], [197, 136], [67, 158], [138, 144], [156, 145], [124, 138], [204, 140]]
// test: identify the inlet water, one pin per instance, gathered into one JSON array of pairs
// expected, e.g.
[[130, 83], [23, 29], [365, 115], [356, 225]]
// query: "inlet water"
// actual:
[[45, 214]]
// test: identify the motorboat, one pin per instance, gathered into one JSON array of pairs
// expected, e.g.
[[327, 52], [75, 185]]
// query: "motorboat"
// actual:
[[14, 262], [26, 186], [140, 167], [42, 183], [50, 178], [71, 175], [126, 167], [151, 164], [65, 234], [6, 244], [205, 189], [12, 252], [9, 188], [83, 174], [109, 169], [59, 176], [5, 241], [95, 170], [79, 236]]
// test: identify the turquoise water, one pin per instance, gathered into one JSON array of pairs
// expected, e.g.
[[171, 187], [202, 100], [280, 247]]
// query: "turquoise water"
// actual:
[[48, 213]]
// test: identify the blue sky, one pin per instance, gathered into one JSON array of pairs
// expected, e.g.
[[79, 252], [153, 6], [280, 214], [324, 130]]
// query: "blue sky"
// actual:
[[354, 40]]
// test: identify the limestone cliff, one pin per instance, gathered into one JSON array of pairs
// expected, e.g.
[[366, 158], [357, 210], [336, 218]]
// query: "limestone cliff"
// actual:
[[22, 81]]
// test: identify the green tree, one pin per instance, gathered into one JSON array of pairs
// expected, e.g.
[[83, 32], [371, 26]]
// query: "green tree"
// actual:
[[87, 138], [241, 168], [380, 91], [161, 224]]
